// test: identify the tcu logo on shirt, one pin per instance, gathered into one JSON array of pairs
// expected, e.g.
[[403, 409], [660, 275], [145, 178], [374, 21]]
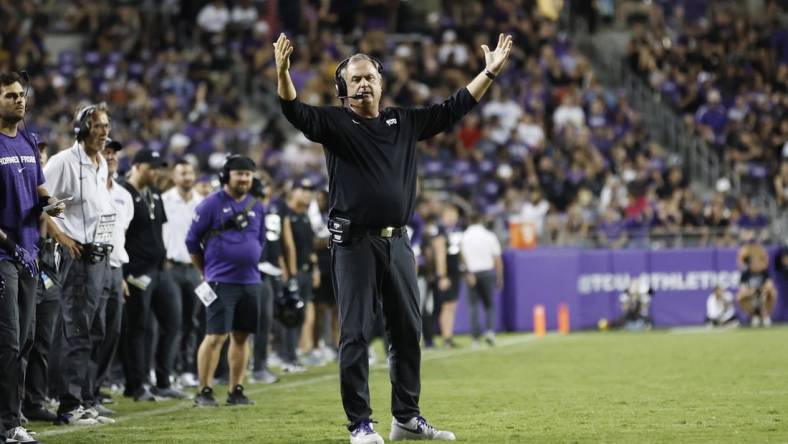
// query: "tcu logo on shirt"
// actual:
[[390, 122]]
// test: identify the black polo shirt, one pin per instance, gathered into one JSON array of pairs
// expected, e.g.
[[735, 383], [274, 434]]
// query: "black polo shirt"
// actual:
[[372, 162], [303, 236], [144, 241]]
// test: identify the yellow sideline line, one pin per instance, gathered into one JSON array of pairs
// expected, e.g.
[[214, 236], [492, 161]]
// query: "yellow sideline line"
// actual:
[[426, 356]]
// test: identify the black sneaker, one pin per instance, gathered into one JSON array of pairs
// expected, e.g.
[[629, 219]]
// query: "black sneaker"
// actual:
[[237, 397], [205, 398], [40, 414]]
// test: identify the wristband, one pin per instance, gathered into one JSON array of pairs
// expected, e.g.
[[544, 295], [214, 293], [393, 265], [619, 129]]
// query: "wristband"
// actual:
[[489, 74]]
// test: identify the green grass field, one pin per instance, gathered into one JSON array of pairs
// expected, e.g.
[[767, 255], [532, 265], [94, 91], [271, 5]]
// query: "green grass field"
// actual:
[[677, 387]]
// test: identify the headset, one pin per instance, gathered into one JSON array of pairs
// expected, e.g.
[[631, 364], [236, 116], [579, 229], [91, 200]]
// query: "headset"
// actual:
[[339, 79], [82, 122], [224, 174]]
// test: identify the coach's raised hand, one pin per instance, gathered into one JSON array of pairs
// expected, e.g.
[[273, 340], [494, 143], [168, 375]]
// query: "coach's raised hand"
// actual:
[[282, 50], [494, 63], [495, 60]]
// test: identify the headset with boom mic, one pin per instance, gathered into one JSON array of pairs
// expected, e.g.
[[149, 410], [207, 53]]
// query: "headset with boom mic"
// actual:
[[339, 79]]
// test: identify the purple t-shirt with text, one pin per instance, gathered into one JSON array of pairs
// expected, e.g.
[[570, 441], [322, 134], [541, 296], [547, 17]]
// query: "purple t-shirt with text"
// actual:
[[20, 175], [231, 257]]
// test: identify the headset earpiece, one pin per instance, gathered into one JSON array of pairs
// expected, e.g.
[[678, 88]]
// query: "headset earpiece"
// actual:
[[224, 174], [339, 78], [82, 124]]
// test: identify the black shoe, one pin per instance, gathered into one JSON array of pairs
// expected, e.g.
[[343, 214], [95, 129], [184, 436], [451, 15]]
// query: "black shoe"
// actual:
[[169, 392], [205, 398], [237, 397], [40, 414], [143, 394]]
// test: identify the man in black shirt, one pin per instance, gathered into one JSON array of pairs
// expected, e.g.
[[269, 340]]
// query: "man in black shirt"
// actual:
[[149, 286], [301, 261], [372, 159]]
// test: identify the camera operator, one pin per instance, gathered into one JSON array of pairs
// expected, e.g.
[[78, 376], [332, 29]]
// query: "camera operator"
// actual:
[[225, 241]]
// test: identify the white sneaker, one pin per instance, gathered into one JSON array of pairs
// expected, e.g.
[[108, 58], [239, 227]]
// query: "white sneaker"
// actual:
[[766, 321], [293, 368], [93, 413], [78, 416], [188, 380], [417, 428], [365, 434], [755, 321], [20, 434], [274, 360]]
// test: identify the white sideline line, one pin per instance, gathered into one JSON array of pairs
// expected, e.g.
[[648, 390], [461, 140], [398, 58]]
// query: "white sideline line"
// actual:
[[183, 405]]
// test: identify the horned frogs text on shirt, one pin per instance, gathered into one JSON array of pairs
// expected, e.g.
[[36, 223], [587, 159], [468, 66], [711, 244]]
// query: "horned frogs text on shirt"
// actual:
[[16, 159]]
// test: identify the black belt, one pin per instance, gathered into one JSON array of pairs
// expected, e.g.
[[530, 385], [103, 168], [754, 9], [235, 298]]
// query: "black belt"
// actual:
[[380, 232], [180, 264]]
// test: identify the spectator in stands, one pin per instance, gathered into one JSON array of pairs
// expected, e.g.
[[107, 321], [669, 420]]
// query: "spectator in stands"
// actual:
[[719, 309], [534, 211], [612, 230]]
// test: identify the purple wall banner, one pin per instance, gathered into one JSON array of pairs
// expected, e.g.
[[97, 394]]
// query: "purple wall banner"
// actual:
[[590, 281]]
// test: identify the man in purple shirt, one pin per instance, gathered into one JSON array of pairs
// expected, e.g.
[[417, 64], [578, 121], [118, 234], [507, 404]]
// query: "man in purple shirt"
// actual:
[[225, 241], [22, 199]]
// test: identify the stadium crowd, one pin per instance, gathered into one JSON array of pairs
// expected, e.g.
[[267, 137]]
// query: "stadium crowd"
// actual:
[[552, 148], [726, 72]]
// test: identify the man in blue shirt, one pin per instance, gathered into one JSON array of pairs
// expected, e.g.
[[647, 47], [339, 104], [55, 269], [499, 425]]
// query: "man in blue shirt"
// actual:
[[22, 197], [225, 241]]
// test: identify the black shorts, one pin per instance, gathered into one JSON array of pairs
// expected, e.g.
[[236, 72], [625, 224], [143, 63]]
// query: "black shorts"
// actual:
[[237, 308], [324, 294], [451, 293]]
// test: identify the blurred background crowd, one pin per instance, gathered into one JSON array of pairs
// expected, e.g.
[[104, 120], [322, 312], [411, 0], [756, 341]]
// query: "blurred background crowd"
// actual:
[[551, 148]]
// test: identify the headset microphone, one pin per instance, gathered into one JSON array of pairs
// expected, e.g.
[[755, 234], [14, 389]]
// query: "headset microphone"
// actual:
[[355, 96]]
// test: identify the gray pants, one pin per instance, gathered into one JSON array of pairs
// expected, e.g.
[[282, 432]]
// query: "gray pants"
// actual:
[[80, 306], [17, 310], [484, 291], [105, 333]]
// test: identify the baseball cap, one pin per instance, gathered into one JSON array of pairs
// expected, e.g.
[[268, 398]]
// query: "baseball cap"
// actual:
[[305, 184], [239, 163], [114, 144], [149, 156]]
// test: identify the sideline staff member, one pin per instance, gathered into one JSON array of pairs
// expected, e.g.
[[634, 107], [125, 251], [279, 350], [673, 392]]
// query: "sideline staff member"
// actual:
[[225, 241], [22, 194], [85, 233], [371, 156]]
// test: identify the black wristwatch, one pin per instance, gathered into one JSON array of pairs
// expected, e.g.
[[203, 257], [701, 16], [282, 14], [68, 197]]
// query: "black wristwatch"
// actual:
[[489, 74]]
